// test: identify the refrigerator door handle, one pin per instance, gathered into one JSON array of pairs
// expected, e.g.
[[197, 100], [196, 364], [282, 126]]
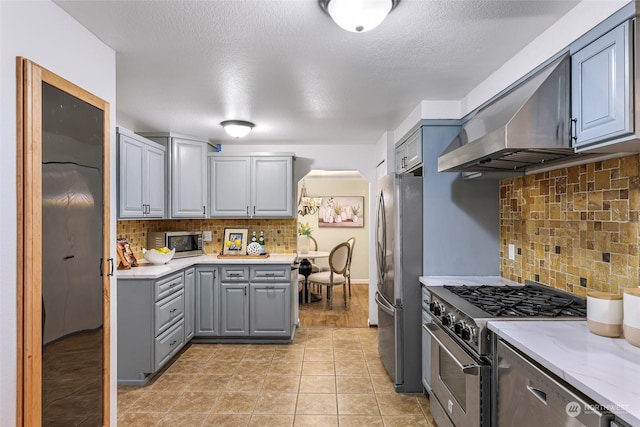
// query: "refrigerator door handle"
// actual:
[[381, 248], [384, 306]]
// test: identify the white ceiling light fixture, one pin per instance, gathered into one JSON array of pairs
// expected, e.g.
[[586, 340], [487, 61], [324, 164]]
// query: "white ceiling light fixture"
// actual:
[[358, 16], [237, 128]]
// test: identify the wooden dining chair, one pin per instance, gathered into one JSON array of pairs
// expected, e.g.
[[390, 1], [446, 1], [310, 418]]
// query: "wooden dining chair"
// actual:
[[338, 259], [352, 243]]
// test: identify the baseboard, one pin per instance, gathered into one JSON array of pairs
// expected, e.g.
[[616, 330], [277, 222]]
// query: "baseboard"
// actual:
[[359, 281]]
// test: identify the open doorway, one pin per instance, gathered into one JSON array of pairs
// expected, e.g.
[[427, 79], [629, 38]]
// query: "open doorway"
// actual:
[[338, 211]]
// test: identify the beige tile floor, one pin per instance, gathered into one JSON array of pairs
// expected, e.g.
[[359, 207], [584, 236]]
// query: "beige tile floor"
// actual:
[[327, 377]]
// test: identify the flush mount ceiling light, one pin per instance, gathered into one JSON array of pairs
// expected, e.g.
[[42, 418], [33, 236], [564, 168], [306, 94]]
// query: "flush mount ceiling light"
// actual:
[[358, 16], [237, 128]]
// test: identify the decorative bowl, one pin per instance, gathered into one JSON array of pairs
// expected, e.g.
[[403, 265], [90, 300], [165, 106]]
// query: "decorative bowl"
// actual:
[[155, 257]]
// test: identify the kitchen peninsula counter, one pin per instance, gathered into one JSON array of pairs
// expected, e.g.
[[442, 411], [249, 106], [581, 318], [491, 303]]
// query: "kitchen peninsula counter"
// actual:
[[155, 271], [607, 370]]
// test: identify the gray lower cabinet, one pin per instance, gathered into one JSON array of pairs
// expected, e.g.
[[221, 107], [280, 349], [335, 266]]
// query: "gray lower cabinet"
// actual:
[[270, 301], [270, 310], [189, 303], [244, 302], [151, 325], [207, 302], [234, 315]]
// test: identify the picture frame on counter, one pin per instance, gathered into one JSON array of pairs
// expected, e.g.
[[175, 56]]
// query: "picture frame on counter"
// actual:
[[235, 241]]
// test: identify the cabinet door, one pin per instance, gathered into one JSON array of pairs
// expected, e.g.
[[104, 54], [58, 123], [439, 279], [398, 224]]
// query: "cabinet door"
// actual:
[[601, 88], [272, 186], [234, 309], [131, 164], [189, 179], [207, 302], [229, 186], [270, 310], [153, 183], [413, 152], [189, 303], [401, 154]]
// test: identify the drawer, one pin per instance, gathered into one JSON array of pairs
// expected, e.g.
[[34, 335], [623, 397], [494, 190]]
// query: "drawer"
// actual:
[[280, 273], [169, 285], [169, 343], [234, 274], [168, 311]]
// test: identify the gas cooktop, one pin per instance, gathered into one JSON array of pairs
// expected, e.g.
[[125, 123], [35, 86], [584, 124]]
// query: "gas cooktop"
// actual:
[[465, 310], [525, 301]]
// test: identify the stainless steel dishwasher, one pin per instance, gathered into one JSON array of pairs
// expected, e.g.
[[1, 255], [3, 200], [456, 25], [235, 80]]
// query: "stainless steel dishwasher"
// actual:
[[528, 396]]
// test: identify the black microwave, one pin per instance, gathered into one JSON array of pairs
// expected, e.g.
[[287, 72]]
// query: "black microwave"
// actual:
[[186, 243]]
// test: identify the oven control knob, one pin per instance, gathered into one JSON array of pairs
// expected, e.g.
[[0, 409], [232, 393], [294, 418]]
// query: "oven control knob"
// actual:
[[467, 333], [437, 309], [457, 328], [432, 306], [448, 319]]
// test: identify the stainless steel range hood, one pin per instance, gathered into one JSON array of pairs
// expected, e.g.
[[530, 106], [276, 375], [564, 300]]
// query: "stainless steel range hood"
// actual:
[[527, 126]]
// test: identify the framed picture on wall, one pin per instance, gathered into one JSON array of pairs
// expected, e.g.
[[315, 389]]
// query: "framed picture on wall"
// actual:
[[235, 241], [341, 211]]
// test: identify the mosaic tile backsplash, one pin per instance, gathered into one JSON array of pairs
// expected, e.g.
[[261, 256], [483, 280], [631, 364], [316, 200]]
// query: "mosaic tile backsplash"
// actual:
[[575, 228], [280, 234]]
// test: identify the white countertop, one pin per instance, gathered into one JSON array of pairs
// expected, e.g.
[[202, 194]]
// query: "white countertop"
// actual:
[[466, 280], [605, 369], [154, 271]]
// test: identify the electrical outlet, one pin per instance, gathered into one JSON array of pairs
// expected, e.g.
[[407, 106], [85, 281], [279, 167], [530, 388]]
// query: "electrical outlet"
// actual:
[[512, 252], [206, 236]]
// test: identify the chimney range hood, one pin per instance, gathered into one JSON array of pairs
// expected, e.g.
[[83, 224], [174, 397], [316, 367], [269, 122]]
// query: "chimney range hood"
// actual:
[[528, 126]]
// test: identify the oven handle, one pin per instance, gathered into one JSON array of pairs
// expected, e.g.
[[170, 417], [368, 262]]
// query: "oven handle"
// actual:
[[466, 369]]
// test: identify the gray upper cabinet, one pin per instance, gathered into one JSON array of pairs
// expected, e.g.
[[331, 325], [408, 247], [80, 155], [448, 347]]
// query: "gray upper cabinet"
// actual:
[[207, 302], [602, 88], [251, 187], [272, 184], [409, 152], [189, 178], [141, 176], [230, 194], [187, 174]]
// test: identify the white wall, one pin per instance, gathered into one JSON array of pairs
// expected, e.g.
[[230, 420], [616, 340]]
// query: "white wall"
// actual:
[[43, 33]]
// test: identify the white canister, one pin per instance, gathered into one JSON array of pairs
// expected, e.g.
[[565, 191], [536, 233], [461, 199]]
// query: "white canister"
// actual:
[[632, 316], [604, 313]]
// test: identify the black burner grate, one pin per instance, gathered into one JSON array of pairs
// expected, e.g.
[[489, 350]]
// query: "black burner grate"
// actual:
[[525, 301]]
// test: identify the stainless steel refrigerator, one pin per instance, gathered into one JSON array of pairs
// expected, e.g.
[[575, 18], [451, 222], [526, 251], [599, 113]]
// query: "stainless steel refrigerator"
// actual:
[[399, 265]]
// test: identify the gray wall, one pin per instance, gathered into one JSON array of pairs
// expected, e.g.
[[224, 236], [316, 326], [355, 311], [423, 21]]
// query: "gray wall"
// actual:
[[461, 217]]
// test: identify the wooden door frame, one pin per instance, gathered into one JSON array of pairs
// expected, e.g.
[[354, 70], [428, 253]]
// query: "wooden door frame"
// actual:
[[30, 77]]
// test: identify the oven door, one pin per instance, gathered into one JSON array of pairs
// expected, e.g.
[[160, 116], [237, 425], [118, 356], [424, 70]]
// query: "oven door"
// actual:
[[459, 382]]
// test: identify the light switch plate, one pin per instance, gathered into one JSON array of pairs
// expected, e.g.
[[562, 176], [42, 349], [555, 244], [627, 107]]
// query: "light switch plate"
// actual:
[[206, 236], [512, 252]]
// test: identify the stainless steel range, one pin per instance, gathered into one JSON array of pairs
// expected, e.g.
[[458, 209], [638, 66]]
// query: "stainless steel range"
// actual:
[[462, 346]]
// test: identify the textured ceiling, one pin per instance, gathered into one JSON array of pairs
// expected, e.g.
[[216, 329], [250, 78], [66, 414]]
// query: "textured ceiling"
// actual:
[[184, 66]]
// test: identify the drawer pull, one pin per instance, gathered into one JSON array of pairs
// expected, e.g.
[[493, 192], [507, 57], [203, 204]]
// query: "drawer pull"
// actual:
[[173, 343], [172, 310]]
